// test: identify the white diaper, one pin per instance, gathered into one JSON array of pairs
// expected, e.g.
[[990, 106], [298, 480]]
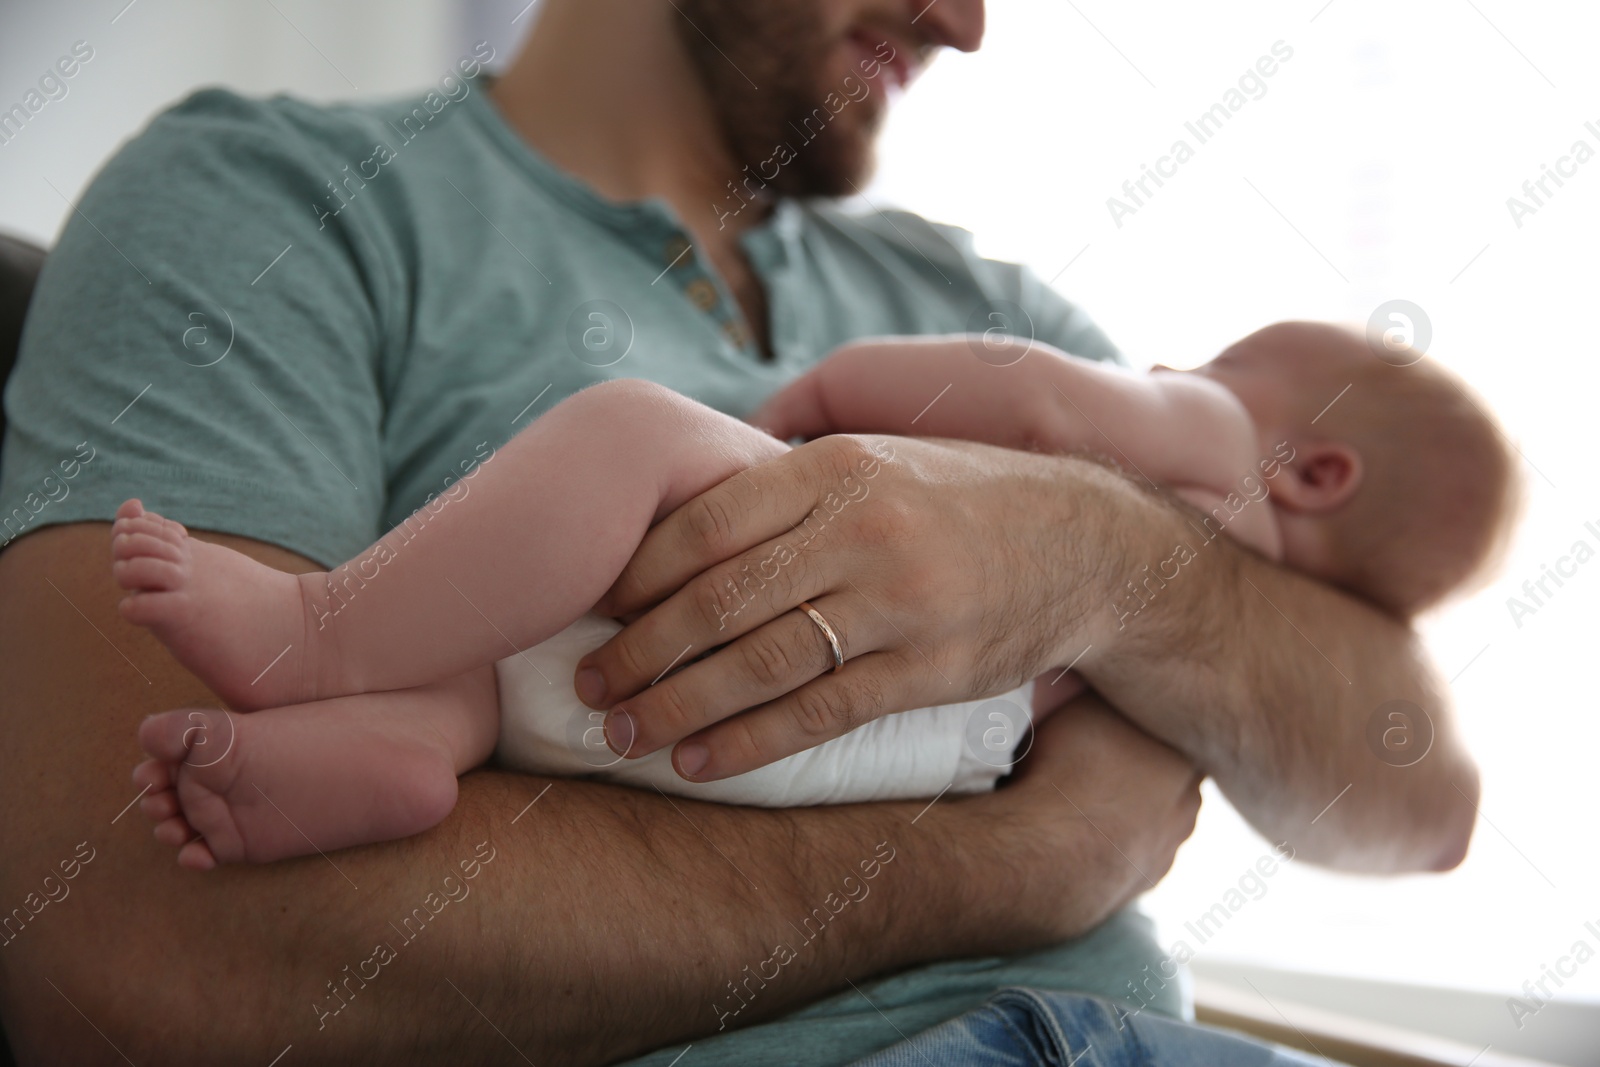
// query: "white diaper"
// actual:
[[545, 729]]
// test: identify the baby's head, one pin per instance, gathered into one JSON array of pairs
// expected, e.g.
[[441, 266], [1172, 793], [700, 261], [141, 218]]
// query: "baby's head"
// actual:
[[1401, 488]]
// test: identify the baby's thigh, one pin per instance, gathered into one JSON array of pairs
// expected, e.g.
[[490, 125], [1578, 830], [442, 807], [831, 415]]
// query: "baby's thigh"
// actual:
[[687, 446]]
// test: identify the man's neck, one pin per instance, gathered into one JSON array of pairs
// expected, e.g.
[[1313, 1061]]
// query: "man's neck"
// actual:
[[605, 92]]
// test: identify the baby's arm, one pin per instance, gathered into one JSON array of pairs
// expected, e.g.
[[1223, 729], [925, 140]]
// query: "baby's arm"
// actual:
[[1176, 429], [922, 386]]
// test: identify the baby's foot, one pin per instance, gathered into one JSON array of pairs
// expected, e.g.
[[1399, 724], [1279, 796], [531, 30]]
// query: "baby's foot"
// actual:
[[194, 769], [238, 625], [227, 788]]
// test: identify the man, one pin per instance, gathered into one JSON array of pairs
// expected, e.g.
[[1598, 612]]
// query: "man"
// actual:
[[446, 268]]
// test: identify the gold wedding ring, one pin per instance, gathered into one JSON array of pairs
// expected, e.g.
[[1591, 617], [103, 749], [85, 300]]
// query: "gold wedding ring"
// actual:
[[827, 631]]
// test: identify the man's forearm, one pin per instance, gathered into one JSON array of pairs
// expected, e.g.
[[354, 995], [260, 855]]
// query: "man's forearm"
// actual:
[[584, 923], [978, 567], [612, 922], [1272, 682], [602, 923]]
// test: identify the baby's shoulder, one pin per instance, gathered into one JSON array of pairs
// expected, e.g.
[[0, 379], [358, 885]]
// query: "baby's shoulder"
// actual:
[[1199, 397], [1206, 427]]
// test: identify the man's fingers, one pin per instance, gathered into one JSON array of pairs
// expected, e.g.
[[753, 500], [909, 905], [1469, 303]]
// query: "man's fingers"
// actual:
[[729, 601], [761, 666], [795, 494], [727, 593], [1140, 796], [736, 515], [830, 706], [1089, 744]]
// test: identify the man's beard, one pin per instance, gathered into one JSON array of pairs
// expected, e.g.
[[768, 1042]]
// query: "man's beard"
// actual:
[[781, 47]]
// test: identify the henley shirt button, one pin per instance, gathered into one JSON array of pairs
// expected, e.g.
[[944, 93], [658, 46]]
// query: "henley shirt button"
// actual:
[[737, 335], [702, 294], [676, 249]]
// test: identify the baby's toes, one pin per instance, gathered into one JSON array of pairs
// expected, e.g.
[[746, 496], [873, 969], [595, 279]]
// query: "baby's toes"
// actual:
[[159, 523], [162, 737], [159, 807], [197, 856], [152, 608], [162, 527], [172, 735], [148, 557], [129, 523], [148, 574], [174, 832], [153, 775], [153, 526], [128, 547], [130, 509]]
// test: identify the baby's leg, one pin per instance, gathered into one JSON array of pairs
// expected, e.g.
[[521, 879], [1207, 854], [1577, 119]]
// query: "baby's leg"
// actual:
[[313, 777], [509, 556]]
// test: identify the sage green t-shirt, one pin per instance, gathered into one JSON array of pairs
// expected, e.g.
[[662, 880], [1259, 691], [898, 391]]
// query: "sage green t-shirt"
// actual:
[[296, 322]]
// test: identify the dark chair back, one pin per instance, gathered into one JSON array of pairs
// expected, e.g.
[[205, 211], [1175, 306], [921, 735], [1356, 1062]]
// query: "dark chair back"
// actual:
[[19, 270]]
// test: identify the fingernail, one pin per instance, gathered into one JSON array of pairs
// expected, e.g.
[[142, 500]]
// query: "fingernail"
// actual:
[[692, 758], [619, 731], [591, 687]]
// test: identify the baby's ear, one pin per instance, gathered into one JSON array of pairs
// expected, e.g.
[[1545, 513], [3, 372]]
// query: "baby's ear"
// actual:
[[1321, 478]]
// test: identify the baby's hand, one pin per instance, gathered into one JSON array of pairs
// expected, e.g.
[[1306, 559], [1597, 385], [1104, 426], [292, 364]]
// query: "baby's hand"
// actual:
[[860, 387], [898, 385], [796, 410]]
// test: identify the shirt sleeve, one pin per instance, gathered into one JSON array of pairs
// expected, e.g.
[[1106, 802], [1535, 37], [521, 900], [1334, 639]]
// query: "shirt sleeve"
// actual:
[[196, 340]]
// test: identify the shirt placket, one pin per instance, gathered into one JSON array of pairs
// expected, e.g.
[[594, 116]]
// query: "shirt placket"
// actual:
[[705, 291]]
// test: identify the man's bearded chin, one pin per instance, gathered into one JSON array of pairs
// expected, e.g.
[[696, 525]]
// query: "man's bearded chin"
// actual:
[[784, 50]]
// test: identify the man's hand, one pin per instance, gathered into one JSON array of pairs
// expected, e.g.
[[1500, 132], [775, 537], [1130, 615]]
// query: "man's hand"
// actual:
[[953, 571], [937, 565], [1097, 796]]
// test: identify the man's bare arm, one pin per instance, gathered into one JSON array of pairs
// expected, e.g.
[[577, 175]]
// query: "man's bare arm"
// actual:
[[955, 570], [577, 925], [1322, 718]]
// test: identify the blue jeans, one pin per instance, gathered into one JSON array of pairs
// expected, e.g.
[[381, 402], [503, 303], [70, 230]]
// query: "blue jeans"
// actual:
[[1040, 1028]]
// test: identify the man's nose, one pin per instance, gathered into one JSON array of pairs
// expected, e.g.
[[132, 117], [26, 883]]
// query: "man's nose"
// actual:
[[954, 24]]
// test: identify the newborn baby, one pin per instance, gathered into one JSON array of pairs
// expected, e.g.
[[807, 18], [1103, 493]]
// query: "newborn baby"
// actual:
[[371, 687], [1388, 481]]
